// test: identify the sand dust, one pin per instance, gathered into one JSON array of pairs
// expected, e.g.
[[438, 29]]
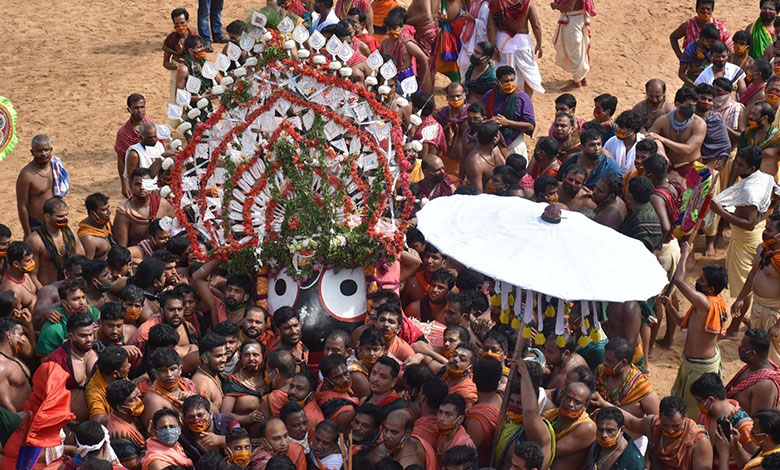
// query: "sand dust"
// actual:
[[69, 66]]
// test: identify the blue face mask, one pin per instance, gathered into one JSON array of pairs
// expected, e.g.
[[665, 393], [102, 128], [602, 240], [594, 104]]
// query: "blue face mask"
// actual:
[[168, 436]]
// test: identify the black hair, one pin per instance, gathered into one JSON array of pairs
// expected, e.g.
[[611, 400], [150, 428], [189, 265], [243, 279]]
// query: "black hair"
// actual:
[[168, 296], [280, 462], [672, 405], [132, 293], [647, 145], [236, 27], [612, 413], [752, 156], [487, 50], [487, 131], [607, 102], [717, 277], [394, 309], [118, 257], [395, 18], [531, 454], [210, 341], [226, 328], [118, 391], [424, 102], [283, 315], [656, 165], [388, 463], [71, 285], [723, 83], [236, 434], [477, 107], [459, 455], [548, 145], [289, 408], [52, 204], [503, 71], [589, 135], [640, 189], [111, 360], [178, 244], [148, 271], [93, 201], [614, 184], [463, 333], [434, 392], [92, 269], [330, 362], [535, 373], [759, 341], [630, 120], [395, 368], [444, 276], [17, 251], [176, 12], [685, 94], [717, 47], [374, 411], [567, 99], [359, 13], [621, 348], [141, 171], [79, 320], [162, 335], [311, 379], [195, 401], [769, 423], [7, 324], [487, 374], [709, 385], [371, 337], [743, 36], [281, 360], [543, 182], [191, 42], [164, 357], [211, 461], [136, 97]]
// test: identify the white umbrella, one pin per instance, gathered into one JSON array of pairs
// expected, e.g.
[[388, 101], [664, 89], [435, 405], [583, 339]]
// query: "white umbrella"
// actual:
[[576, 259]]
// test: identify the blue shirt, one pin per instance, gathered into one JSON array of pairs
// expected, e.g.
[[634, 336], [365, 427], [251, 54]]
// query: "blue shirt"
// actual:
[[524, 111]]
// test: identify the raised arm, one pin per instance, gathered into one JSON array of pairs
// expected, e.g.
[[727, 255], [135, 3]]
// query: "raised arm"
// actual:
[[696, 298], [200, 279]]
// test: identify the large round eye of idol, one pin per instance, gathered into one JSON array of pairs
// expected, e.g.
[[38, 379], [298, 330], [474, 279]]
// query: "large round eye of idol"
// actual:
[[282, 291], [343, 294]]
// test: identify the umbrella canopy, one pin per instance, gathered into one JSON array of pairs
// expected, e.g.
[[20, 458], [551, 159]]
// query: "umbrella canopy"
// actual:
[[576, 259]]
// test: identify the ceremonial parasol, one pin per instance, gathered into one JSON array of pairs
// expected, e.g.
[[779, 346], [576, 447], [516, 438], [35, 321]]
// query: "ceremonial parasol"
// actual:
[[8, 138], [575, 259]]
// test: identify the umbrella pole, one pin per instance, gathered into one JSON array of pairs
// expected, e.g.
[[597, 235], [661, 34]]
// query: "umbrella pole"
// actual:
[[510, 380], [702, 213]]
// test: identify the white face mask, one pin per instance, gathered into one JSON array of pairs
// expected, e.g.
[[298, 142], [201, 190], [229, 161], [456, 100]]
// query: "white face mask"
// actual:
[[721, 101]]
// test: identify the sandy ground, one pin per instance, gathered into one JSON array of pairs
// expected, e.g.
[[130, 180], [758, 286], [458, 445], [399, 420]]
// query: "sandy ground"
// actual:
[[69, 66]]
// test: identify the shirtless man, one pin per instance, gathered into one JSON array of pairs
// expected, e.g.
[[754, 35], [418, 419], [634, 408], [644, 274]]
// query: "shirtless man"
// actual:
[[35, 185], [98, 279], [169, 389], [159, 234], [95, 231], [484, 157], [131, 222], [560, 361], [706, 320], [762, 132], [19, 277], [625, 321], [423, 15], [757, 76], [15, 377], [213, 357], [610, 208], [172, 313], [53, 242], [573, 194], [757, 385], [763, 282], [402, 48], [78, 358], [400, 443], [417, 286], [574, 430], [681, 132], [654, 105], [48, 297], [507, 28]]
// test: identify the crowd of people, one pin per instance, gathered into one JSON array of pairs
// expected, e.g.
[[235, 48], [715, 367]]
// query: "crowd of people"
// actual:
[[120, 349]]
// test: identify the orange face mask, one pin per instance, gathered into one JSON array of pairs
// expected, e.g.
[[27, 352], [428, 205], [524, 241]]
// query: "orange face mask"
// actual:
[[772, 98], [394, 34], [704, 17], [132, 314], [456, 103], [508, 87], [181, 29], [29, 268]]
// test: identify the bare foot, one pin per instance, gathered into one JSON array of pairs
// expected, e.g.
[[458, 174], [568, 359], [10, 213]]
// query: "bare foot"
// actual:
[[585, 81], [664, 342], [578, 84], [709, 252]]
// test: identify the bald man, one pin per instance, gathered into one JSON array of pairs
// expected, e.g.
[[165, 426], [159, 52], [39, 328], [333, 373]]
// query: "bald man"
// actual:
[[147, 153], [274, 440], [35, 185], [436, 181], [654, 105], [402, 444]]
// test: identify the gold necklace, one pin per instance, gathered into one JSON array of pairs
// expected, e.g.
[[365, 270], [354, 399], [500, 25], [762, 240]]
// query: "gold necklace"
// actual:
[[214, 379]]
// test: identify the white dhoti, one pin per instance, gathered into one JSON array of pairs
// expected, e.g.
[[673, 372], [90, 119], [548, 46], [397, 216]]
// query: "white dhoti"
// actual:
[[518, 146], [572, 43], [669, 256], [518, 52]]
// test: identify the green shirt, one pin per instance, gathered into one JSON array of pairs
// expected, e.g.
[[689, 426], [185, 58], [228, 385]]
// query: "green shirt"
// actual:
[[54, 334], [630, 459]]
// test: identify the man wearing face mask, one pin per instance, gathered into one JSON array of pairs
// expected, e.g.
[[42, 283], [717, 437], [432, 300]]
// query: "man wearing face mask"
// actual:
[[721, 67], [72, 300], [449, 422], [511, 109], [204, 431], [757, 385], [128, 134], [124, 425], [696, 55], [607, 195], [53, 242], [620, 383], [95, 231], [403, 445], [480, 76], [762, 283], [280, 369], [762, 30], [147, 153], [274, 440], [744, 206], [654, 105], [301, 390], [370, 348], [763, 133], [614, 448], [334, 395], [133, 216], [18, 276], [16, 379], [716, 146], [98, 279], [452, 118], [484, 157], [691, 29], [457, 373], [681, 132], [163, 448], [233, 303], [623, 144], [545, 158], [194, 58], [566, 135], [593, 158], [573, 194], [574, 430]]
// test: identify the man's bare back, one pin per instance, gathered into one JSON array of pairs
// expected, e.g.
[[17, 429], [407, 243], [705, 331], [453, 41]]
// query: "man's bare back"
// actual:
[[479, 167], [14, 381]]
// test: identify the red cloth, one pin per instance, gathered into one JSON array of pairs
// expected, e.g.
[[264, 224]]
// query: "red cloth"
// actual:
[[439, 141], [321, 397], [693, 30], [301, 352], [466, 389], [342, 7], [48, 410], [61, 357], [461, 438], [751, 91], [431, 462], [409, 331], [773, 374], [487, 417], [425, 428], [313, 415], [275, 400], [587, 5], [126, 136], [369, 40]]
